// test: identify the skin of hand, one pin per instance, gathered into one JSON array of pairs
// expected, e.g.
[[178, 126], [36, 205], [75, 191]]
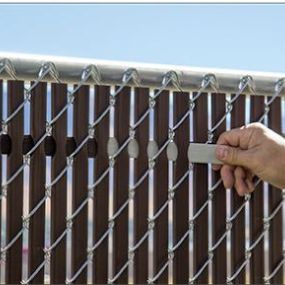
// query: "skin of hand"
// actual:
[[248, 151]]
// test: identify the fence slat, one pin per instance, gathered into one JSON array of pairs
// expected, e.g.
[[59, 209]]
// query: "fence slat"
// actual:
[[37, 181], [238, 230], [1, 114], [275, 198], [219, 197], [80, 182], [257, 108], [122, 114], [201, 190], [209, 261], [15, 190], [161, 187], [58, 198], [100, 268], [181, 261], [141, 197]]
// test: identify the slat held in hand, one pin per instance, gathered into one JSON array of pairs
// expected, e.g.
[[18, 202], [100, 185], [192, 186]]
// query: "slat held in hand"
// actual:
[[58, 197], [15, 189]]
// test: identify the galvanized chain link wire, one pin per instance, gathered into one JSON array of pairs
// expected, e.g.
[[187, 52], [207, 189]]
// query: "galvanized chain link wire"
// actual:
[[46, 69], [209, 81], [279, 86], [90, 71]]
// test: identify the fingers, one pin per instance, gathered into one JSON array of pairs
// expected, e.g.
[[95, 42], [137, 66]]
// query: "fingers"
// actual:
[[239, 178], [240, 184], [216, 167], [231, 137], [234, 156], [227, 175]]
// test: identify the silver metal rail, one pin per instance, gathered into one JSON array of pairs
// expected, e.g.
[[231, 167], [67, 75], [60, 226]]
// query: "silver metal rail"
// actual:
[[25, 67]]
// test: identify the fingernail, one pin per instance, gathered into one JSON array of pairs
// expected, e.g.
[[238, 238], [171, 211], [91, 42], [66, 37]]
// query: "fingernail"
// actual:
[[221, 152]]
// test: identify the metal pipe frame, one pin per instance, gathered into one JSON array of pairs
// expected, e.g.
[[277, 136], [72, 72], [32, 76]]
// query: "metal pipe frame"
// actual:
[[70, 69]]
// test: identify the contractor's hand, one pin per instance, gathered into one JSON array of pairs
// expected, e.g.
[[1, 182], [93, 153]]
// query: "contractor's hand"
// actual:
[[248, 151]]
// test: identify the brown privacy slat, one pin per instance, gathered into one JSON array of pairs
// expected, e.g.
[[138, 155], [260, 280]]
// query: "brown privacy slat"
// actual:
[[141, 197], [100, 268], [15, 189], [80, 182], [121, 184], [161, 187], [238, 230], [200, 182], [180, 218], [219, 197], [257, 109], [1, 107], [58, 198], [37, 181], [275, 197]]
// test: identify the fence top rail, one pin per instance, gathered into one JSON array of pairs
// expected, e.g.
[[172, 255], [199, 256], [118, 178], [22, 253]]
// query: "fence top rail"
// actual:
[[69, 69]]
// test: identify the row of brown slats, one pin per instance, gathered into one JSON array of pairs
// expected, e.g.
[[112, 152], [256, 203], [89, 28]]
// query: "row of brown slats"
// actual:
[[80, 180]]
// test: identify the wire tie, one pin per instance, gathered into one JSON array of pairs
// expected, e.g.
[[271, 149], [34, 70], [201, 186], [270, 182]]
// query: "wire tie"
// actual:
[[111, 223], [151, 224], [132, 132], [3, 255], [26, 159], [70, 98], [69, 161], [151, 102], [151, 163], [26, 223], [4, 190], [91, 131], [48, 129], [69, 223], [112, 100], [4, 127]]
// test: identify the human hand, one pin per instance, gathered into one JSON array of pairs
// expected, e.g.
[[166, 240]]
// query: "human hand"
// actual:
[[248, 151]]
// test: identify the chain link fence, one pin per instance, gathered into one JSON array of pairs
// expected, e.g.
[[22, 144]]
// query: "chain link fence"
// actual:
[[97, 186]]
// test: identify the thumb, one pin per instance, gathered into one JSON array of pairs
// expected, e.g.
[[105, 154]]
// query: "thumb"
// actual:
[[233, 155]]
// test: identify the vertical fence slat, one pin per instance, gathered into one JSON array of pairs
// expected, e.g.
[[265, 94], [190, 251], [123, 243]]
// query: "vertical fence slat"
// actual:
[[219, 197], [122, 114], [181, 106], [100, 268], [15, 189], [238, 236], [37, 181], [209, 226], [161, 186], [1, 114], [58, 197], [141, 197], [80, 182], [257, 108], [275, 197], [201, 190]]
